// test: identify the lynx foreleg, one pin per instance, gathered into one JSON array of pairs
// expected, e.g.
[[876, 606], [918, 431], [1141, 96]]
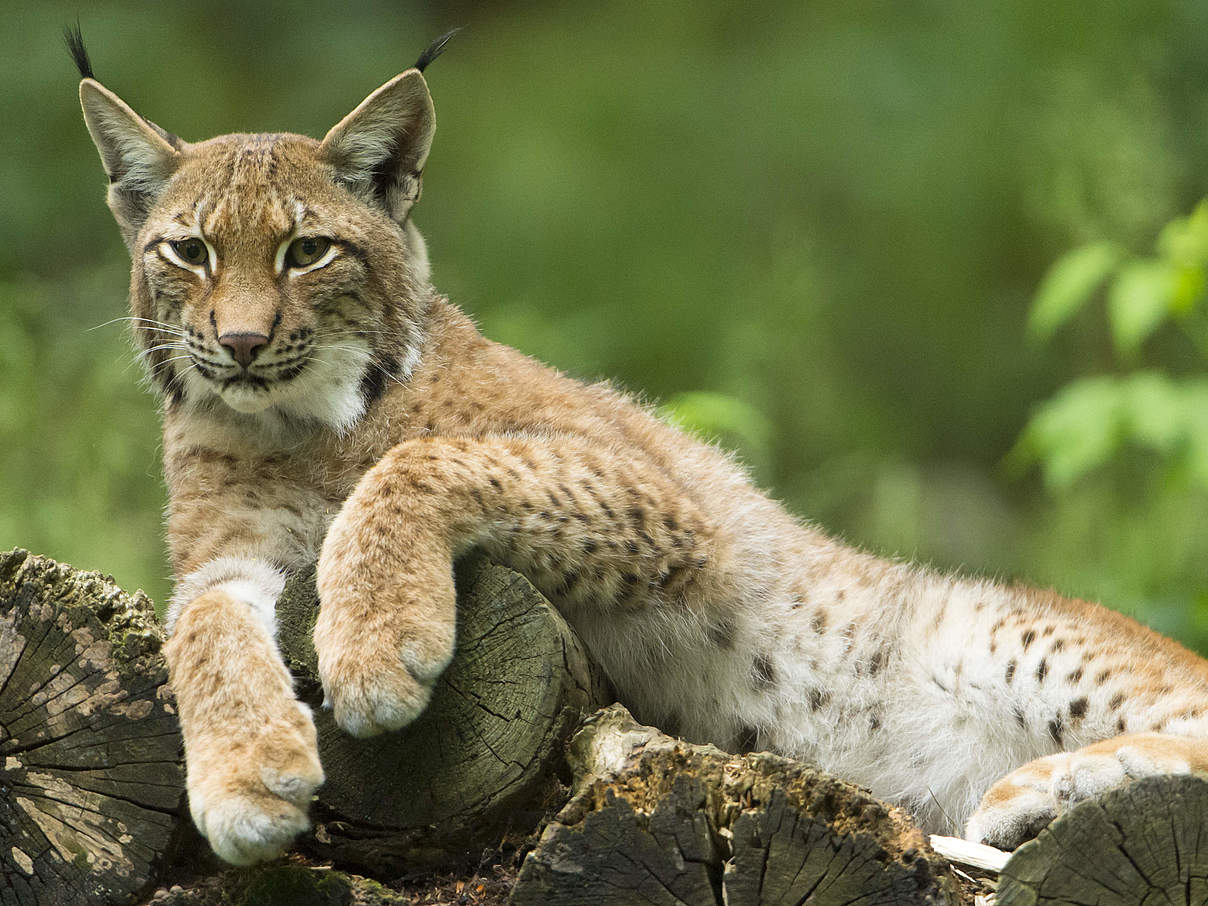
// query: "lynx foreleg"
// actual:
[[250, 748], [587, 527]]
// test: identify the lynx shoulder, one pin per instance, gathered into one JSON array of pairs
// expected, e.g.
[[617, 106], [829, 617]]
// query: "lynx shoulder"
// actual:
[[320, 399]]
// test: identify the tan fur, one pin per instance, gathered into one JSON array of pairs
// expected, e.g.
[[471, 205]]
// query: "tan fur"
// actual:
[[382, 433]]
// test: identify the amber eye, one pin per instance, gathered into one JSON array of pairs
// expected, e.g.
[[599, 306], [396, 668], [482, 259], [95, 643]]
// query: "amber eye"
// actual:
[[306, 250], [191, 251]]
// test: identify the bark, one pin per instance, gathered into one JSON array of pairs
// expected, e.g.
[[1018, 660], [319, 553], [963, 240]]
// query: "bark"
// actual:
[[1139, 844], [656, 820], [487, 757], [91, 784]]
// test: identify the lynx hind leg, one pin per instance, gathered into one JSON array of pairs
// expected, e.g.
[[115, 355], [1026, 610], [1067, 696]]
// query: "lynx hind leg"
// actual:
[[1018, 806]]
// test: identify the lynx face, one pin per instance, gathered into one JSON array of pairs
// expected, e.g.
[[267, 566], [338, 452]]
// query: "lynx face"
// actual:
[[260, 263]]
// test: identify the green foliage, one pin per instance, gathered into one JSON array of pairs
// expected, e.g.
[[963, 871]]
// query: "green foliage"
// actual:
[[1093, 419], [1091, 422], [815, 228]]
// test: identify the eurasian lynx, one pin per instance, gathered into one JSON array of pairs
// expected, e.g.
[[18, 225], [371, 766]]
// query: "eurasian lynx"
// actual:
[[320, 399]]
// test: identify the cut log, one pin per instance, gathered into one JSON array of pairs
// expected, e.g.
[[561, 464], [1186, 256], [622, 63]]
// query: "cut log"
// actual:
[[656, 820], [1140, 844], [486, 757], [91, 783]]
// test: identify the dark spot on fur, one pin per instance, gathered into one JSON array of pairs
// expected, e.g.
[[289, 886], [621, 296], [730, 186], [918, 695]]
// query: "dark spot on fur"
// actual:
[[764, 671], [1116, 701], [874, 722], [1057, 730], [589, 546], [818, 699], [1120, 725], [722, 634], [1078, 708], [1017, 713], [1075, 675], [748, 738], [1103, 676], [818, 621], [1042, 670], [1058, 644], [1010, 671], [1028, 638], [875, 662]]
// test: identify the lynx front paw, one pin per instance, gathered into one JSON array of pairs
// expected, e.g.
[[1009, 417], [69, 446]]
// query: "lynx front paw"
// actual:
[[386, 625], [1021, 804], [249, 799], [377, 690]]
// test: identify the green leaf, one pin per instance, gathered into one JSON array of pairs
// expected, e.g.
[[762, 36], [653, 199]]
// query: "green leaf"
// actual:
[[1154, 411], [1188, 288], [1185, 240], [1139, 301], [1076, 431], [1069, 284]]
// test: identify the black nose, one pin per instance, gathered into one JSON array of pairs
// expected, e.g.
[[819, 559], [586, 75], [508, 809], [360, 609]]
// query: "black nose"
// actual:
[[243, 346]]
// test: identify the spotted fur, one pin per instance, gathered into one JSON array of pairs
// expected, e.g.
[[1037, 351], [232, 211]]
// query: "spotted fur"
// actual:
[[376, 429]]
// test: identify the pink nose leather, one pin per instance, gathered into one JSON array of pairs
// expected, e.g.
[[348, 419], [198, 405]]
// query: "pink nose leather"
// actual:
[[243, 346]]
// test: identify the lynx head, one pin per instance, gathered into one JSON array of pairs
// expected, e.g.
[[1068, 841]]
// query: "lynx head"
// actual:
[[273, 273]]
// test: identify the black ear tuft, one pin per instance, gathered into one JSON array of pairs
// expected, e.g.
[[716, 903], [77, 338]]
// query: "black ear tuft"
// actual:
[[74, 39], [436, 48]]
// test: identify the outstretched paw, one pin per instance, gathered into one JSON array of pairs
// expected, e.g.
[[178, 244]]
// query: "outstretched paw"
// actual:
[[1024, 802], [249, 799]]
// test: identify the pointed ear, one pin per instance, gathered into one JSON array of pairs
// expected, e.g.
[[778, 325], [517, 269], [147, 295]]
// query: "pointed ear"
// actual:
[[138, 156], [379, 149]]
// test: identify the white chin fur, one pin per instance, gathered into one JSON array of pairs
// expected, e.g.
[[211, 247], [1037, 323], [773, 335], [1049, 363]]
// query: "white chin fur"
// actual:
[[246, 399]]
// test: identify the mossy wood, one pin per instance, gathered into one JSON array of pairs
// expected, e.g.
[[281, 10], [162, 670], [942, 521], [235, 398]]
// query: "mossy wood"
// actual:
[[1141, 845], [658, 821], [91, 783], [482, 760]]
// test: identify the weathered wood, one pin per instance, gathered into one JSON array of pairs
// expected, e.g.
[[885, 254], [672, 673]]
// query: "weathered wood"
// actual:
[[977, 856], [655, 820], [91, 783], [485, 758], [1141, 845]]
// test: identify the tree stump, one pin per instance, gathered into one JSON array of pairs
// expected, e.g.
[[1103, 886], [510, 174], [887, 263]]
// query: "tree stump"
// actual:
[[658, 821], [486, 757], [1144, 843], [91, 784]]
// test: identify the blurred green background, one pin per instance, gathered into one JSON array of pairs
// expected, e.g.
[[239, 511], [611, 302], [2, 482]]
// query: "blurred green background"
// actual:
[[815, 230]]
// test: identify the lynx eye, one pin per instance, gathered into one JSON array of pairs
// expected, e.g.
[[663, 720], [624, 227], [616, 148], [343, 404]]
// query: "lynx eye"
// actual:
[[306, 250], [191, 251]]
